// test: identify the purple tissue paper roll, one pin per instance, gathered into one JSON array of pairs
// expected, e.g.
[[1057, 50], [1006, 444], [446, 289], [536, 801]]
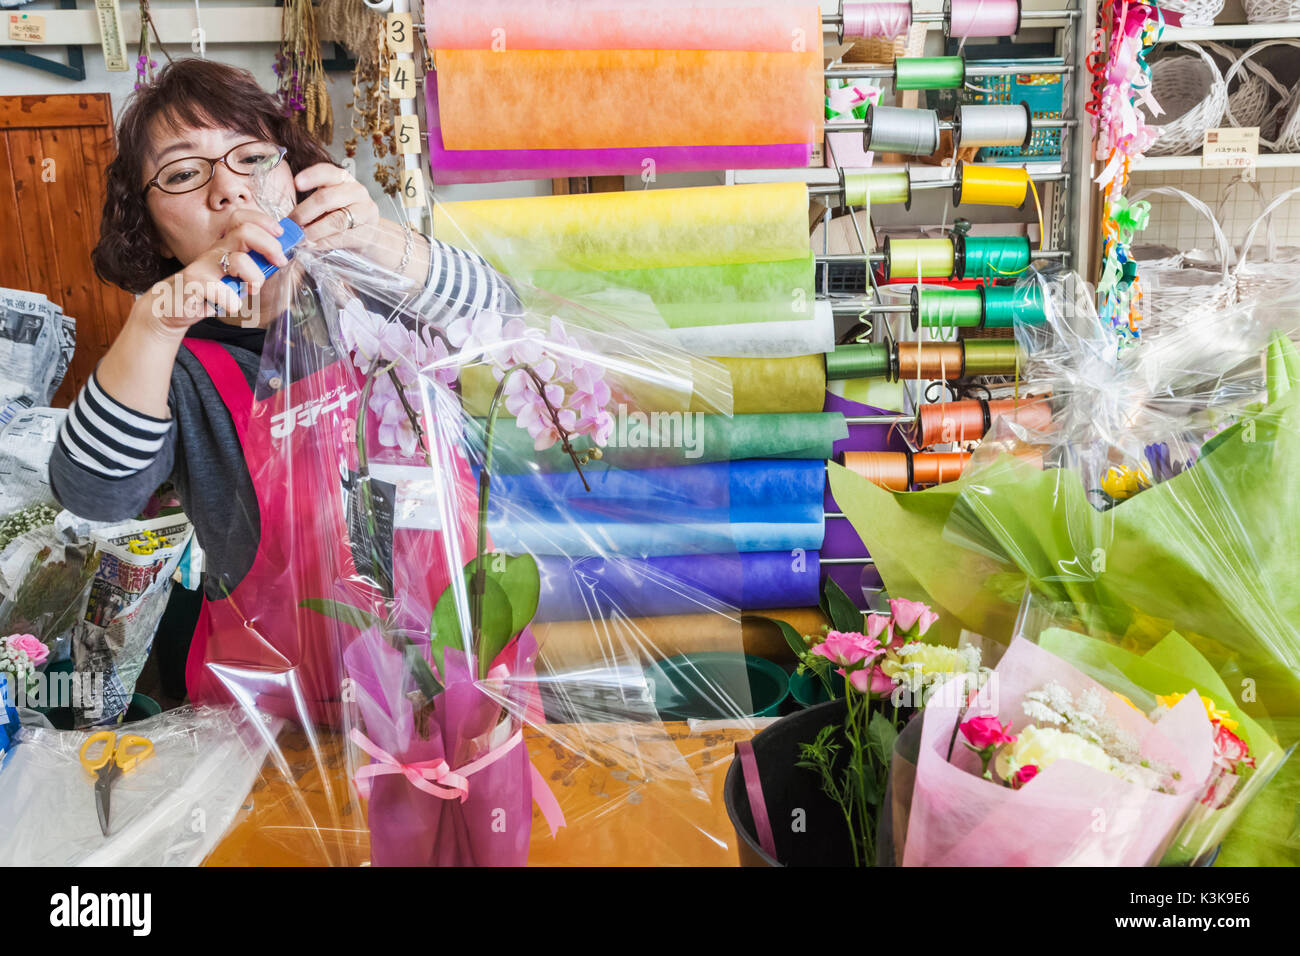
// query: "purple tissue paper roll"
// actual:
[[504, 165], [842, 541], [680, 584]]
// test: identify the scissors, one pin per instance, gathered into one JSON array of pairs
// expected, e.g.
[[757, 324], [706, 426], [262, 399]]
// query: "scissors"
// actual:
[[115, 758]]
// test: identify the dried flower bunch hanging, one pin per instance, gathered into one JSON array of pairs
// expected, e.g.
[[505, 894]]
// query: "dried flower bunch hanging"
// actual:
[[302, 87], [374, 113], [145, 64]]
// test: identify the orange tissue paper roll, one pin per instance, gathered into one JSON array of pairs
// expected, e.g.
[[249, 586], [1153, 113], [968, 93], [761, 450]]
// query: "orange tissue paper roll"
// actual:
[[760, 25], [600, 99]]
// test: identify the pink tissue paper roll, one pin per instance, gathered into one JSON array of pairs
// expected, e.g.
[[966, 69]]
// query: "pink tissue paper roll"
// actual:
[[456, 166], [760, 26]]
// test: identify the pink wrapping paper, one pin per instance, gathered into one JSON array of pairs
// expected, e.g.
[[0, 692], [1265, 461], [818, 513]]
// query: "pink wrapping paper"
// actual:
[[1069, 814], [757, 25], [504, 165]]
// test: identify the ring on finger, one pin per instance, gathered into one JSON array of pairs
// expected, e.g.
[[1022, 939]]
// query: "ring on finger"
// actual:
[[351, 219], [225, 263]]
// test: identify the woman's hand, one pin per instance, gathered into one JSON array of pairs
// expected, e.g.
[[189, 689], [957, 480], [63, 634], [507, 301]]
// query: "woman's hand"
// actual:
[[198, 291], [335, 214]]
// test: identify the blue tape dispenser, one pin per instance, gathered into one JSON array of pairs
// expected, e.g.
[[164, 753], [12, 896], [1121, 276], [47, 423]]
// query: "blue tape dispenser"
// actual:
[[291, 236]]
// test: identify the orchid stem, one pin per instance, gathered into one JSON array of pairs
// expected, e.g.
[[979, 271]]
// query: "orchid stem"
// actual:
[[363, 478]]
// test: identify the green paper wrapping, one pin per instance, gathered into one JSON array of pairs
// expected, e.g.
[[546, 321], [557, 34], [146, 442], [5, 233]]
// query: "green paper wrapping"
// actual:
[[641, 441], [688, 296]]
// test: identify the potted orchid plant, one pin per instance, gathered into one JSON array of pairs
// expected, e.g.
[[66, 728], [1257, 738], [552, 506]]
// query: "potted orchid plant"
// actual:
[[440, 684]]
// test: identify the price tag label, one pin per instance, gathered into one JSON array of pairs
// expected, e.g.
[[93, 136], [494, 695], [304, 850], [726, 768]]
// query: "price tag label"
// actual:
[[1230, 148], [399, 33], [407, 134], [412, 188], [27, 27], [401, 80]]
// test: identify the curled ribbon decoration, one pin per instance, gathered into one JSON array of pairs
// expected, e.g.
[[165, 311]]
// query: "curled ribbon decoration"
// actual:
[[1129, 217]]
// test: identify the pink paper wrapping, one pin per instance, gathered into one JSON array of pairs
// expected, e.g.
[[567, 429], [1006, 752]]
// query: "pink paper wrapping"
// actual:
[[1067, 815], [452, 167], [760, 25]]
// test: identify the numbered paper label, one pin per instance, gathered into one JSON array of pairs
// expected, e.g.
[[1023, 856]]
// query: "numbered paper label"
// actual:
[[412, 188], [401, 80], [399, 33], [407, 134], [1231, 148], [27, 27]]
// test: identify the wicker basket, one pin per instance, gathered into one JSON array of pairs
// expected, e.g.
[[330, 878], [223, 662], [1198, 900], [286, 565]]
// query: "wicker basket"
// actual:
[[1282, 112], [1276, 275], [1271, 11], [1177, 296], [1193, 95], [1196, 13], [1258, 98]]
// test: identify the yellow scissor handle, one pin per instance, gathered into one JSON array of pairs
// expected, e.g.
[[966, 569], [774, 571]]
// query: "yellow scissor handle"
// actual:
[[131, 750], [128, 751]]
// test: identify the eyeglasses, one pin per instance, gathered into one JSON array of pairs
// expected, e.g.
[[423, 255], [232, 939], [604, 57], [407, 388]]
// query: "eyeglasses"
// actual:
[[194, 172]]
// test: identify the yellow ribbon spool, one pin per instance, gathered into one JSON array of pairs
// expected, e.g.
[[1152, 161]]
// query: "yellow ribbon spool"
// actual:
[[918, 258], [991, 185]]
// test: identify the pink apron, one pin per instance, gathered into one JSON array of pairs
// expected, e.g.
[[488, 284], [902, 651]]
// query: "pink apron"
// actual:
[[257, 646]]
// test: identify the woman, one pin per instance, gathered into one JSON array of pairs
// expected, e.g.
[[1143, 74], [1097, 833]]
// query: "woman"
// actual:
[[170, 399]]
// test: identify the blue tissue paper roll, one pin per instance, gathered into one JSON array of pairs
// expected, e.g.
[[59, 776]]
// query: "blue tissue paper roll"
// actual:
[[720, 508], [589, 588]]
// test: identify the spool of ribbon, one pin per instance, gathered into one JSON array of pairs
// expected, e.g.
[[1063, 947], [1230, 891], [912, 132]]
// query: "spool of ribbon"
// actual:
[[919, 258], [941, 307], [892, 129], [991, 185], [863, 360], [971, 420], [899, 471], [990, 257], [931, 360], [976, 126], [877, 187], [929, 73], [993, 357], [880, 18], [982, 18], [1005, 305]]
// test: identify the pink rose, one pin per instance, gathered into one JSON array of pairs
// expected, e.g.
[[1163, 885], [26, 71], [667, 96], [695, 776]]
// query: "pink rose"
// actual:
[[868, 680], [909, 614], [847, 648], [1230, 750], [1024, 775], [984, 732], [32, 646]]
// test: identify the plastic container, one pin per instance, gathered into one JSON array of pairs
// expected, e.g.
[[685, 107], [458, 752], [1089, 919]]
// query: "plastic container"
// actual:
[[674, 684]]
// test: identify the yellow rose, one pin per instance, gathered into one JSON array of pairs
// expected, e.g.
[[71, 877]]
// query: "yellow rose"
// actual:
[[1217, 716]]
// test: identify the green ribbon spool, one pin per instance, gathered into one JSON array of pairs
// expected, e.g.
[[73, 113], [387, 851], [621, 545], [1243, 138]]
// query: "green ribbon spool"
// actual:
[[942, 308], [929, 73], [875, 188], [991, 257], [1006, 304], [866, 360], [993, 357], [918, 258]]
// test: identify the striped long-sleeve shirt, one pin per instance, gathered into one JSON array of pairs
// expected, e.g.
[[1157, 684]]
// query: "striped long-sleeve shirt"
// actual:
[[110, 458]]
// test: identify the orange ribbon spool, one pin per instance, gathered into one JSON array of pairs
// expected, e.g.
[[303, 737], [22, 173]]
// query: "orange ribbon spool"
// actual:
[[931, 360], [969, 421]]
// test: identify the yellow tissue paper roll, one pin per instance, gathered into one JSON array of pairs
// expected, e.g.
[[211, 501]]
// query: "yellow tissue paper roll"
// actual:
[[611, 99], [650, 229], [758, 386]]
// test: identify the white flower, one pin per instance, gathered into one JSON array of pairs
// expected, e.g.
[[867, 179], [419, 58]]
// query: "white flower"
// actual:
[[1042, 746]]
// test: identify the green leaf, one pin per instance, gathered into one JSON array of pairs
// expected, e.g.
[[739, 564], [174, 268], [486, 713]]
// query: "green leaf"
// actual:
[[444, 629], [844, 614], [881, 734], [358, 618], [792, 637], [521, 582], [424, 676]]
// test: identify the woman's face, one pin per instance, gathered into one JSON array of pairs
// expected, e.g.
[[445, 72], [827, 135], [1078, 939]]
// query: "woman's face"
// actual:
[[191, 223]]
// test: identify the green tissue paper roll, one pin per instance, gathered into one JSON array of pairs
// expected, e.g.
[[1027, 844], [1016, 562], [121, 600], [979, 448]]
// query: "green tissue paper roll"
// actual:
[[688, 296], [663, 439]]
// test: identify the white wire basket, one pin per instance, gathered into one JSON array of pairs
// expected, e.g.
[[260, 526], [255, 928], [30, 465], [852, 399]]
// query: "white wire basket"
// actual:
[[1271, 11], [1196, 13], [1275, 275], [1193, 95], [1179, 295], [1285, 110]]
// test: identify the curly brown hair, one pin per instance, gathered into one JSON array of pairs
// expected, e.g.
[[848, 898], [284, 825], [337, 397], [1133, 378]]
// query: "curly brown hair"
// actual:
[[196, 93]]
